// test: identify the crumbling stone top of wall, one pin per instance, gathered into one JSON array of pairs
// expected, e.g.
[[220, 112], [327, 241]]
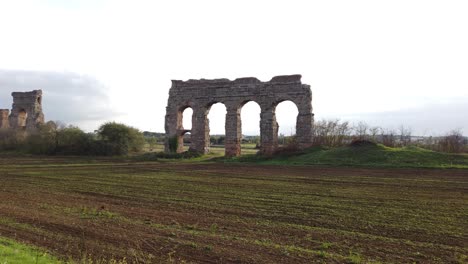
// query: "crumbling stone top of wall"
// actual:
[[26, 97], [284, 79], [205, 92]]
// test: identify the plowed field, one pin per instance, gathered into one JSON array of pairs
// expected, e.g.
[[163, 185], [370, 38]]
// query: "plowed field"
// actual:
[[235, 213]]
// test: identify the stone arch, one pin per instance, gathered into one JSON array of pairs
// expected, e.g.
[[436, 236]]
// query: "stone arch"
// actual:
[[186, 140], [292, 107], [22, 118], [242, 111], [181, 130], [185, 115], [304, 119], [203, 93], [211, 113]]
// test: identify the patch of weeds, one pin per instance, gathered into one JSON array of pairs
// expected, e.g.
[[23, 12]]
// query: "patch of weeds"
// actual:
[[13, 252], [13, 223], [321, 254], [93, 213], [90, 260], [461, 258], [192, 244], [154, 156], [158, 226], [208, 248], [214, 228], [354, 258], [263, 242], [44, 206], [191, 227], [326, 245]]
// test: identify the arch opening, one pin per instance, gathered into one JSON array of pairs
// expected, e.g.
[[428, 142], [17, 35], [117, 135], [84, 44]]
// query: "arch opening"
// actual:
[[216, 120], [286, 119], [186, 121], [250, 127], [184, 126], [22, 117], [186, 139]]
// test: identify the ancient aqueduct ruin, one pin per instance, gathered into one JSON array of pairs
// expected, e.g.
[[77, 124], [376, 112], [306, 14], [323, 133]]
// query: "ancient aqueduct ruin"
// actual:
[[200, 95], [26, 113]]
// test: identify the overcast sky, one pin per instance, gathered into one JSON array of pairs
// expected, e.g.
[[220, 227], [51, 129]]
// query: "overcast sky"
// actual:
[[388, 63]]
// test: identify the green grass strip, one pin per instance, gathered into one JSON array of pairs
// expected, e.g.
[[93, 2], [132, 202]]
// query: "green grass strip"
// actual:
[[12, 252]]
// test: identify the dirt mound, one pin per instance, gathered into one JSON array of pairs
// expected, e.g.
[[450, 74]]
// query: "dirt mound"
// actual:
[[362, 143]]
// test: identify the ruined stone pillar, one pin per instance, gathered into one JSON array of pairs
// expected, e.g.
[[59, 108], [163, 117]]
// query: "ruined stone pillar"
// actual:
[[233, 131], [268, 131], [4, 123], [26, 112], [305, 120], [172, 126], [200, 133], [304, 126]]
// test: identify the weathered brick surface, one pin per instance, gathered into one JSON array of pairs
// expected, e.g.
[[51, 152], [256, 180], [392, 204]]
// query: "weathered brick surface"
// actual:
[[4, 118], [200, 95]]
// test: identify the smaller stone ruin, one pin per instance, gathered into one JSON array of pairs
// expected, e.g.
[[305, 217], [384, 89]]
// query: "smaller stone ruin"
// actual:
[[26, 113]]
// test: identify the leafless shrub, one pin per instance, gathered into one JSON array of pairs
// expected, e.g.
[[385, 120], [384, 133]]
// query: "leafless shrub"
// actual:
[[331, 133], [291, 146], [388, 138], [360, 131], [373, 133], [405, 135], [453, 142]]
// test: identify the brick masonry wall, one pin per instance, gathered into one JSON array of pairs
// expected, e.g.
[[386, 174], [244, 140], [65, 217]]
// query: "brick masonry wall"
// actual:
[[26, 105], [4, 123], [200, 95]]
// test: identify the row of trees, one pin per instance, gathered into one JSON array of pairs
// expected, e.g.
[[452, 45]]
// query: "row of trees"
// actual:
[[119, 139], [334, 133], [51, 138]]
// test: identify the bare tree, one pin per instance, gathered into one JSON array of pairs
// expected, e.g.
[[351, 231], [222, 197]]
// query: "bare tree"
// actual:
[[388, 137], [361, 130], [405, 135], [453, 142], [374, 131], [331, 133]]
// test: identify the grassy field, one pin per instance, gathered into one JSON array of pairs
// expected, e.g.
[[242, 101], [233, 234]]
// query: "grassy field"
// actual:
[[13, 252], [150, 212], [365, 156]]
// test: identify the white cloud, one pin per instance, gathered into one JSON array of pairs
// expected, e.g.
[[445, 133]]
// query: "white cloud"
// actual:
[[67, 97]]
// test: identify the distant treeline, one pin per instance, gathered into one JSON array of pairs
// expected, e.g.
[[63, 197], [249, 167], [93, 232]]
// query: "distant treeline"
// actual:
[[119, 139], [334, 133], [54, 139]]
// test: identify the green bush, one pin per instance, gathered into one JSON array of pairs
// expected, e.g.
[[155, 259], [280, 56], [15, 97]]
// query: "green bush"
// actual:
[[120, 139], [10, 139], [173, 144], [43, 140], [49, 139], [73, 141]]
